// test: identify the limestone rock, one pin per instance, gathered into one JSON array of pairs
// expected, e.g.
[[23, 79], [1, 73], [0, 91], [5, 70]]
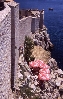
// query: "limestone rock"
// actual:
[[52, 63], [35, 83], [42, 39], [27, 74], [58, 81], [61, 88], [59, 71], [20, 75], [32, 86]]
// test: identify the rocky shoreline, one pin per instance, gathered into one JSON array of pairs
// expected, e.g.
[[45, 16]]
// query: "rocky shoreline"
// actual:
[[29, 86], [42, 39]]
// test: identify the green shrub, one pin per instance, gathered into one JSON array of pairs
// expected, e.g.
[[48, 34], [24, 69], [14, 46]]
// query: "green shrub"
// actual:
[[28, 46]]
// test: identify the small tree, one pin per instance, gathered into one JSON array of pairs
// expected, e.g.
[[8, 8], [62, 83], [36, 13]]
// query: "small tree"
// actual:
[[28, 46]]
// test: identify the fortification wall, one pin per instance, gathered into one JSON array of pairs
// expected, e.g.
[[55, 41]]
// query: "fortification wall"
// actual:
[[25, 29], [41, 23], [14, 42], [5, 53], [35, 24], [12, 35]]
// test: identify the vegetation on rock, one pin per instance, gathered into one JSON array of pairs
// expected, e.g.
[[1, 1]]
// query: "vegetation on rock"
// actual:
[[39, 53], [28, 46]]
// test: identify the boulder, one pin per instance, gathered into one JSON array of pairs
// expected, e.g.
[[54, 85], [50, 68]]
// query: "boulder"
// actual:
[[35, 83], [36, 36], [32, 86], [27, 74], [61, 88], [52, 63], [20, 75], [44, 40], [59, 71], [53, 76], [40, 38], [35, 42], [47, 46]]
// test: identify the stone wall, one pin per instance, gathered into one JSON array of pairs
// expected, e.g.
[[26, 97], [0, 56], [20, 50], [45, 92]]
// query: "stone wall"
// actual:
[[14, 42], [25, 29], [5, 53], [35, 24], [41, 23], [12, 35]]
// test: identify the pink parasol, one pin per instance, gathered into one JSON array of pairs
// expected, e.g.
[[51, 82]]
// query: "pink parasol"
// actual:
[[43, 76], [42, 65], [46, 66], [39, 61], [33, 64], [45, 70]]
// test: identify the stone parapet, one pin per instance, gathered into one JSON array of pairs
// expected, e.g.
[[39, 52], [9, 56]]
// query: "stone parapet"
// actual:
[[35, 24], [41, 23], [5, 53], [24, 29]]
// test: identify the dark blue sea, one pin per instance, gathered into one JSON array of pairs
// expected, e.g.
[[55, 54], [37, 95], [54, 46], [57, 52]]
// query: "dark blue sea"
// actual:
[[53, 21]]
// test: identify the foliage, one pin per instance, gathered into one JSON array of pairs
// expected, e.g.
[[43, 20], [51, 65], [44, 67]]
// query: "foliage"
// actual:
[[28, 46]]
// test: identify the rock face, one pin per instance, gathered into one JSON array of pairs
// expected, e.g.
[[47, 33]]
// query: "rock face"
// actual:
[[56, 77], [42, 39], [31, 87], [52, 63], [27, 81]]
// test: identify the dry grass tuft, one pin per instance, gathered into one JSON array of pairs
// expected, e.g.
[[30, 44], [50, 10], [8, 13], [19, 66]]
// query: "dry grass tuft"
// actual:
[[39, 53]]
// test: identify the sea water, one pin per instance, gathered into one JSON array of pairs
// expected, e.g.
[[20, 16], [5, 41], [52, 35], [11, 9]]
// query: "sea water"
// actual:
[[53, 20]]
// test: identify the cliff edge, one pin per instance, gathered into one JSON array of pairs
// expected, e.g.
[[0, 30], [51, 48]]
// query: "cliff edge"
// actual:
[[30, 87]]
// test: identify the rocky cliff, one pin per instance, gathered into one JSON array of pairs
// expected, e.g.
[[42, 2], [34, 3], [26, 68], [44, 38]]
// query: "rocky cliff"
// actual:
[[29, 85], [42, 39]]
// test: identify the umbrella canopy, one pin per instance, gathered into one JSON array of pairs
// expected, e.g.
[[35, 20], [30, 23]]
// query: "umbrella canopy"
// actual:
[[43, 76], [45, 70], [46, 66], [42, 65], [33, 64], [38, 63]]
